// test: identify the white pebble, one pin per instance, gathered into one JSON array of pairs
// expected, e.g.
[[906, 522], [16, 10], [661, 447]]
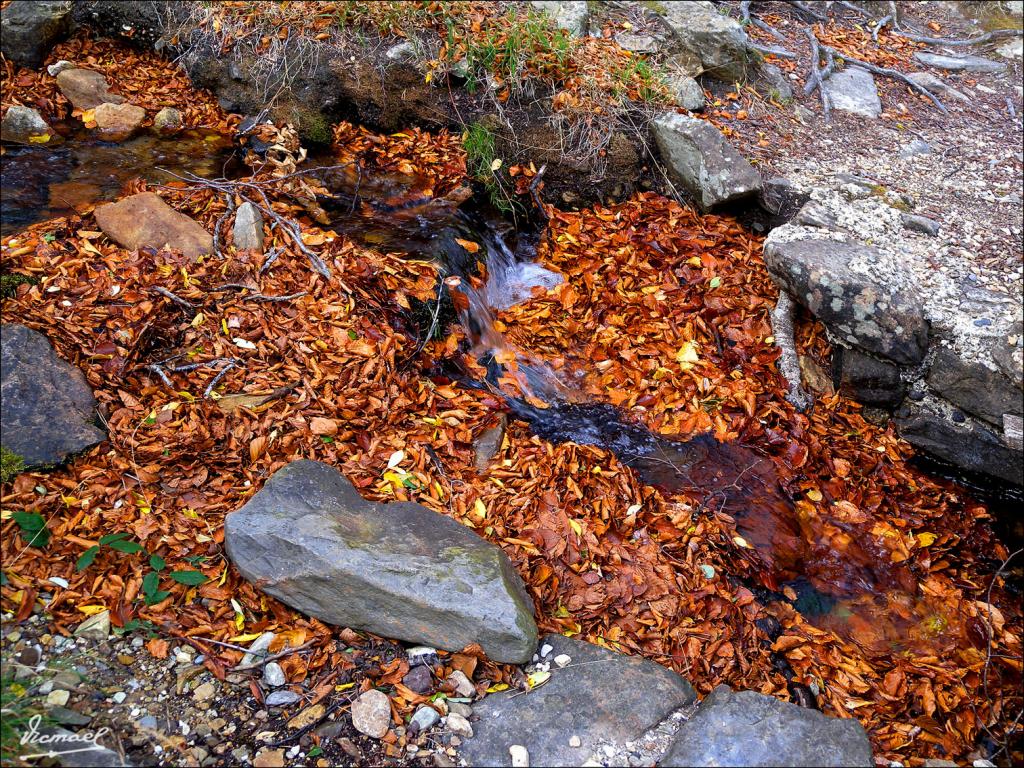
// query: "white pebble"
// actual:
[[545, 650], [575, 742], [520, 757], [562, 660]]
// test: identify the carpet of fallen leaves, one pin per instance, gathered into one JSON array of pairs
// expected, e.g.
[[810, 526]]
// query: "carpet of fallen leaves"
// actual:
[[664, 313]]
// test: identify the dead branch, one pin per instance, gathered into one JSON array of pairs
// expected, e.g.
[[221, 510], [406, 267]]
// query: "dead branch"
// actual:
[[789, 363], [817, 80], [806, 10], [535, 195], [216, 379], [173, 297], [772, 50], [878, 27], [748, 19]]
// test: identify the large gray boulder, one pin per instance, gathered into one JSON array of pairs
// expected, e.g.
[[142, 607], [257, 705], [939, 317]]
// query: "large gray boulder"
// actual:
[[570, 15], [860, 306], [399, 570], [715, 38], [853, 90], [30, 28], [24, 125], [746, 728], [601, 696], [47, 410], [698, 157]]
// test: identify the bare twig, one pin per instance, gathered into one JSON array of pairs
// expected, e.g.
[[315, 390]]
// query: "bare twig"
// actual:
[[772, 50], [817, 79], [533, 191], [173, 297], [216, 379], [878, 27], [998, 34]]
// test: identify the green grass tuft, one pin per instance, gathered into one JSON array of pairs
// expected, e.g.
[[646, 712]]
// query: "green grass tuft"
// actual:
[[10, 465]]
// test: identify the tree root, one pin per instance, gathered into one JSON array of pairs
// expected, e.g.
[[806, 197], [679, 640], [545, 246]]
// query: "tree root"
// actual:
[[998, 34]]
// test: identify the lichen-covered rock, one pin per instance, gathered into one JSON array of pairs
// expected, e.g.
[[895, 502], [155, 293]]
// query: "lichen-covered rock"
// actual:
[[47, 410], [400, 570], [600, 696], [570, 15], [715, 38], [859, 306], [168, 120], [745, 728], [86, 89], [698, 157], [144, 220], [24, 125], [117, 122], [853, 90], [28, 30]]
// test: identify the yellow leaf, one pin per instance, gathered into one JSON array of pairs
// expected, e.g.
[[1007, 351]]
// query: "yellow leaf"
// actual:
[[740, 541], [814, 494], [41, 138], [343, 686], [198, 319], [574, 524], [245, 638], [469, 245], [537, 679], [479, 509], [90, 610], [926, 539], [496, 164], [497, 687], [687, 355]]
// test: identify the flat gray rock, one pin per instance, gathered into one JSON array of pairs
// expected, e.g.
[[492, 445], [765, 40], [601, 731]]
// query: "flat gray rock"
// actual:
[[698, 157], [853, 90], [571, 15], [601, 696], [959, 63], [861, 308], [248, 229], [985, 392], [47, 410], [746, 728], [400, 570], [29, 30]]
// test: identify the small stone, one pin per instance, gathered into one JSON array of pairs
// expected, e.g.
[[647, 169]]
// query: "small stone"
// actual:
[[204, 692], [921, 224], [426, 717], [463, 685], [24, 125], [66, 716], [96, 627], [168, 120], [241, 754], [459, 725], [371, 714], [117, 122], [269, 758], [983, 322], [422, 655], [308, 716], [259, 645], [545, 650], [147, 722], [562, 660], [57, 698], [418, 679], [125, 659], [281, 698], [248, 229], [520, 757], [460, 709], [86, 89], [273, 675], [330, 730], [119, 697], [575, 742], [349, 747], [402, 52]]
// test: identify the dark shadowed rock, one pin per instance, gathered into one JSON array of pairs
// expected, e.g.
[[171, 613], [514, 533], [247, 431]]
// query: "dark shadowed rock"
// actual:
[[698, 157], [871, 381], [986, 392], [746, 728], [970, 444], [144, 220], [86, 89], [28, 30], [600, 696], [400, 570], [861, 307], [48, 411]]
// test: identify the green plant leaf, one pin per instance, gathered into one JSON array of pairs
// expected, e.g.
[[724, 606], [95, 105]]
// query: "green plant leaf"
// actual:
[[157, 563], [110, 537], [128, 547], [86, 558], [33, 528], [150, 583], [192, 578]]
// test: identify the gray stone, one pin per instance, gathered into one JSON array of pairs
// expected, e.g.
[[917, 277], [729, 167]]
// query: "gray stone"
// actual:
[[248, 229], [980, 390], [24, 125], [86, 89], [853, 90], [1012, 49], [489, 443], [700, 159], [401, 52], [916, 147], [371, 713], [687, 92], [863, 309], [636, 43], [959, 63], [72, 752], [281, 698], [715, 38], [426, 717], [938, 86], [273, 675], [419, 679], [28, 30], [871, 381], [47, 411], [972, 445], [59, 66], [781, 199], [168, 120], [570, 15], [601, 697], [399, 570], [921, 224], [773, 83], [144, 220], [746, 728], [64, 716], [96, 627]]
